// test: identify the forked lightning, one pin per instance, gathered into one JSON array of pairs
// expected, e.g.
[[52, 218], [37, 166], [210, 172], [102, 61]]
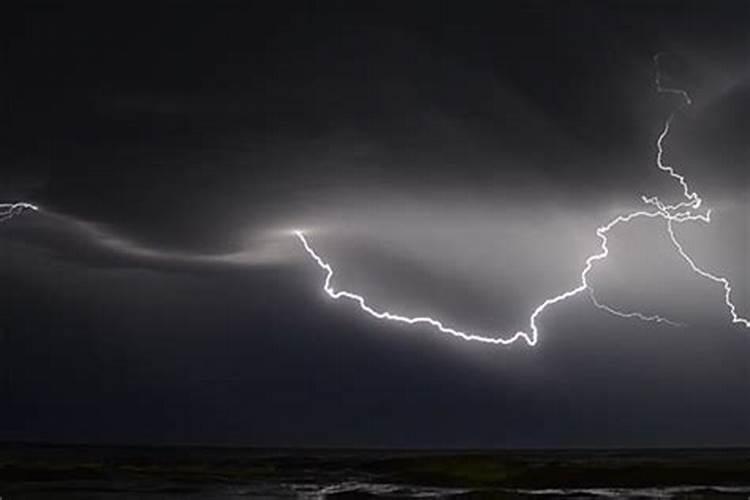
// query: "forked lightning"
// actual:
[[683, 211]]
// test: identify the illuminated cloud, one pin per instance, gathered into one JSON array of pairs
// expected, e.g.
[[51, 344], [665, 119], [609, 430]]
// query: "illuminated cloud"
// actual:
[[683, 211]]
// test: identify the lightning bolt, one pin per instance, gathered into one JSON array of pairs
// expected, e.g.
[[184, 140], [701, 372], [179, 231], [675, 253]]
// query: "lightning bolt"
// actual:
[[630, 314], [683, 211], [532, 336], [705, 274], [692, 202], [10, 210]]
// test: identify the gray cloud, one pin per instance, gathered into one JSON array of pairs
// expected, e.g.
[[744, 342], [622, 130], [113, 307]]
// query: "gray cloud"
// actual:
[[90, 244], [452, 160]]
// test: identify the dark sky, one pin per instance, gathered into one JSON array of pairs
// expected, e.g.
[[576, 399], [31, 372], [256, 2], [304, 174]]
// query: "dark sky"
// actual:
[[449, 158]]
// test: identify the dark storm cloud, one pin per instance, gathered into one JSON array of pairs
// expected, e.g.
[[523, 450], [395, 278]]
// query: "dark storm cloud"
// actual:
[[258, 112], [247, 114], [449, 159]]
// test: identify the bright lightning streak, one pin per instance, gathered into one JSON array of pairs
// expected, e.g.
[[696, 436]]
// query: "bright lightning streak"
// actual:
[[693, 202], [9, 210], [328, 288], [679, 212], [716, 279], [532, 336]]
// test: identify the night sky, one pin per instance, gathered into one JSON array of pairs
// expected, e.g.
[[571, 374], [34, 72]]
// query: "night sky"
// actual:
[[448, 158]]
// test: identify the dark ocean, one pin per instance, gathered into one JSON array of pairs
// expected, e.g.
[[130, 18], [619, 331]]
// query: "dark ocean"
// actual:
[[125, 473]]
